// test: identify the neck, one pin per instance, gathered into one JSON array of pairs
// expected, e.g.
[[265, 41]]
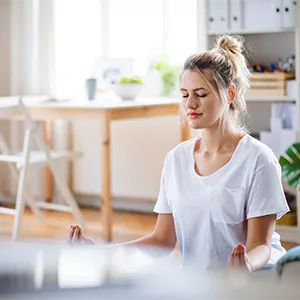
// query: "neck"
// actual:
[[213, 140]]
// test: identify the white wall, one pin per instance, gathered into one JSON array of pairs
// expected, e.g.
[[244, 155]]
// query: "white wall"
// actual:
[[268, 47], [4, 71], [138, 148], [4, 46]]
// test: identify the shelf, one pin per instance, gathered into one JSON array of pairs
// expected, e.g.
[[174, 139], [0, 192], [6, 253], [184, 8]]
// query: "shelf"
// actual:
[[288, 233], [269, 99], [287, 228], [247, 31], [289, 189]]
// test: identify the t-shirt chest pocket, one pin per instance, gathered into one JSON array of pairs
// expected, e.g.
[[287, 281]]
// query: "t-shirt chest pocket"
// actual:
[[228, 205]]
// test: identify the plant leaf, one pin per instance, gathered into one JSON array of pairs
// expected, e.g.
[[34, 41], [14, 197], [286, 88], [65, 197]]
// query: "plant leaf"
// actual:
[[290, 164]]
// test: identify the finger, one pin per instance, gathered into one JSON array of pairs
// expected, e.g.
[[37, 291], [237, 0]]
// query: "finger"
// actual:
[[236, 263], [80, 236], [88, 241], [69, 236], [75, 236], [232, 253], [242, 256], [233, 250], [230, 263], [81, 240]]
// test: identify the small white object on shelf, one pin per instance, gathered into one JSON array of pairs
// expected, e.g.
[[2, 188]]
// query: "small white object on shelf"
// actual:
[[283, 128], [266, 138], [291, 88], [287, 138], [275, 125]]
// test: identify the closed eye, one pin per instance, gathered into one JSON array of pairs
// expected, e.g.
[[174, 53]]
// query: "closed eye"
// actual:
[[201, 96]]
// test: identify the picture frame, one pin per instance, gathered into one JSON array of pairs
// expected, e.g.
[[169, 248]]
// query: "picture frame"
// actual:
[[109, 70]]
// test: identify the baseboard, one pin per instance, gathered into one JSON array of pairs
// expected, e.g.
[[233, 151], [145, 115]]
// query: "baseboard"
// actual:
[[118, 203]]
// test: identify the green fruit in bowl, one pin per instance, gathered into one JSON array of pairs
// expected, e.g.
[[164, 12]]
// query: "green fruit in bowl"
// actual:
[[130, 80], [128, 88]]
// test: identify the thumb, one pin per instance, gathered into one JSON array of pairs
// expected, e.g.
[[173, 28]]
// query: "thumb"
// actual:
[[88, 241]]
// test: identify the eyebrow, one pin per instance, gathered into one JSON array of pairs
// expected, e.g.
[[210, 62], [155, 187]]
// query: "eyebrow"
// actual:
[[195, 90]]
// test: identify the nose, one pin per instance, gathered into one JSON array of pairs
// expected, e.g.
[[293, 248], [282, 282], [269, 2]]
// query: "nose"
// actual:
[[192, 102]]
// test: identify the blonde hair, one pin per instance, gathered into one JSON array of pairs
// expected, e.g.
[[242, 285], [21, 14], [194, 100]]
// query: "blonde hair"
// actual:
[[221, 66]]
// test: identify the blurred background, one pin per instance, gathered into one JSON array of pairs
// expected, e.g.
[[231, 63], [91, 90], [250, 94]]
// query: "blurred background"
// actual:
[[85, 51]]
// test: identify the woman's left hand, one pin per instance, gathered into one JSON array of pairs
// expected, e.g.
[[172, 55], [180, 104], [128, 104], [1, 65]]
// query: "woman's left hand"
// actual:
[[239, 259]]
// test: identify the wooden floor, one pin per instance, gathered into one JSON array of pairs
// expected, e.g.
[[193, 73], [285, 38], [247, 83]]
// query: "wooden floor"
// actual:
[[53, 228]]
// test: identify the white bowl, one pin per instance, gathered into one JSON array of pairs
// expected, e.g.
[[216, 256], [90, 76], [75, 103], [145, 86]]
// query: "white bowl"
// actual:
[[127, 91]]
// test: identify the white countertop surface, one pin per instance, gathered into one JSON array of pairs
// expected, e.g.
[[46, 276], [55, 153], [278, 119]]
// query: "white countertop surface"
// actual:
[[103, 101]]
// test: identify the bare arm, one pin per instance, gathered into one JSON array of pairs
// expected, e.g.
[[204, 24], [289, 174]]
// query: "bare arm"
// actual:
[[163, 236], [259, 237], [258, 245]]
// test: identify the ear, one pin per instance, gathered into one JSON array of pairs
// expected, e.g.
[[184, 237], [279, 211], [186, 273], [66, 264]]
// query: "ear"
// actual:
[[231, 93]]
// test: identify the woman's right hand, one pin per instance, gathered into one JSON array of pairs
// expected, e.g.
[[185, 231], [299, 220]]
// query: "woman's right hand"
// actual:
[[75, 237]]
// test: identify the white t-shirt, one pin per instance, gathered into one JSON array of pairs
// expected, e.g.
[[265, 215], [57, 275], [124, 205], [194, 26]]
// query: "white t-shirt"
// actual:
[[210, 211]]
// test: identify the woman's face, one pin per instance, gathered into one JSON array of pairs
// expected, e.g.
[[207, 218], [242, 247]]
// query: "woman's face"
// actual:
[[201, 105]]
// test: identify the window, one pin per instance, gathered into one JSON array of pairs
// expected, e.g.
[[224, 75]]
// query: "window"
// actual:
[[136, 30], [77, 43], [181, 29], [145, 29]]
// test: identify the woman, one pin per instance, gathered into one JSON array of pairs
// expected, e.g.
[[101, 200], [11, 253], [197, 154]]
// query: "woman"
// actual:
[[221, 192]]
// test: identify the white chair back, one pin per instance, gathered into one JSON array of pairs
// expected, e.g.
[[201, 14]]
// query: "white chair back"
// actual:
[[14, 108], [10, 108]]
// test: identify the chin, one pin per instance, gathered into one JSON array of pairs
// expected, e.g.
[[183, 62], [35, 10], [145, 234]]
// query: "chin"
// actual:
[[197, 125]]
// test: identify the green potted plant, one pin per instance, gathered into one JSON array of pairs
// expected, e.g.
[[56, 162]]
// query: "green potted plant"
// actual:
[[169, 73], [290, 164]]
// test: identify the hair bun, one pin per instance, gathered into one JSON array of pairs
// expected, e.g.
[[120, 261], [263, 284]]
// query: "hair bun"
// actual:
[[230, 44]]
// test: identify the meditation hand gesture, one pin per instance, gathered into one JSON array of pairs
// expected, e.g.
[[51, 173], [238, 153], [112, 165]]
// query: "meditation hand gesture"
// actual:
[[239, 259], [75, 237]]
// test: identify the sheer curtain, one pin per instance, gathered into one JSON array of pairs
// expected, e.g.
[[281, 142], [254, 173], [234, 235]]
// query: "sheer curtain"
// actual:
[[53, 43], [31, 46], [31, 64]]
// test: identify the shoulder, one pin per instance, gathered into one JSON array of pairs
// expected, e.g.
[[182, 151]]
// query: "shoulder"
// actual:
[[181, 153], [259, 153]]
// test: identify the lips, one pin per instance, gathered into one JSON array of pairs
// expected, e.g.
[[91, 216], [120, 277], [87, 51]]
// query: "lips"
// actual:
[[194, 115]]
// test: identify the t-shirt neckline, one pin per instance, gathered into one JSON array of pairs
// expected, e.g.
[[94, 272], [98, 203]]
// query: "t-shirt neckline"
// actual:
[[241, 141]]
